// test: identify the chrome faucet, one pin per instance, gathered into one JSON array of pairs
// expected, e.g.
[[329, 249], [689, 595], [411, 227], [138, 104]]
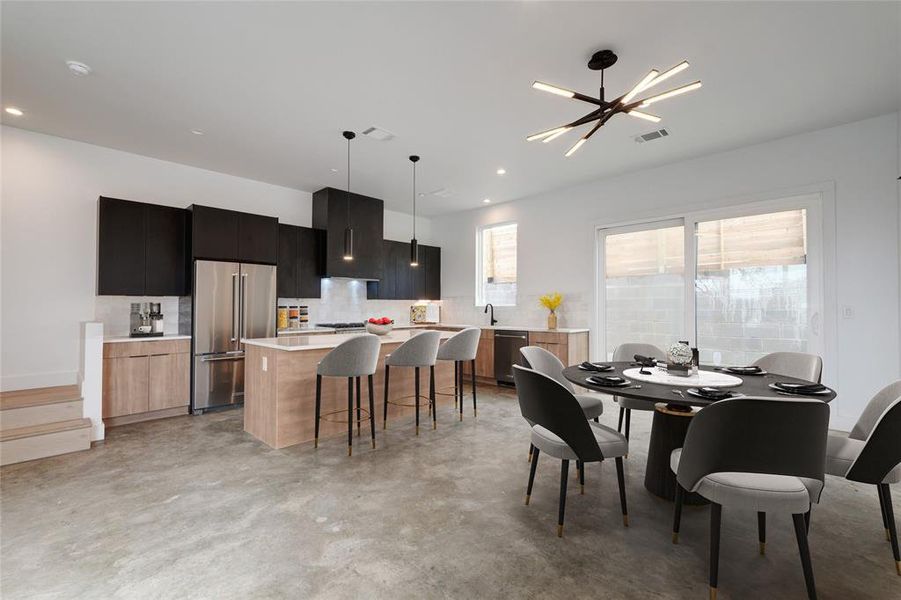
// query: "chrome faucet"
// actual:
[[491, 306]]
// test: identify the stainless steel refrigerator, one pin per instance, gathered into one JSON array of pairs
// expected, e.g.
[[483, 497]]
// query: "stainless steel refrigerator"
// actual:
[[231, 301]]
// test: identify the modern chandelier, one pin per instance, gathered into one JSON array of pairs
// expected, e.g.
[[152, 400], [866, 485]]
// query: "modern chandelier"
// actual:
[[624, 104]]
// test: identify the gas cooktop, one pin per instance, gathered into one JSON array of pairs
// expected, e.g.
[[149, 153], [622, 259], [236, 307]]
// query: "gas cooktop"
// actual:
[[342, 325]]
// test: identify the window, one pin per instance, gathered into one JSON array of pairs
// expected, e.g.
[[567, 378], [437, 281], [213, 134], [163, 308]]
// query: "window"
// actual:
[[496, 265]]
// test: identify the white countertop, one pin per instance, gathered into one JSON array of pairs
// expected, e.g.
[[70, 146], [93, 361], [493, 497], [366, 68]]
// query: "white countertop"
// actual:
[[515, 328], [112, 339], [319, 330], [294, 343]]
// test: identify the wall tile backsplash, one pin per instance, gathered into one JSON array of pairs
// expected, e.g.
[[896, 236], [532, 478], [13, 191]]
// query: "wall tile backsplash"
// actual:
[[344, 300], [114, 311], [575, 311]]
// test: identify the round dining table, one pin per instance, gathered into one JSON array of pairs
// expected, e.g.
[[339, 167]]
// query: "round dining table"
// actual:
[[673, 410]]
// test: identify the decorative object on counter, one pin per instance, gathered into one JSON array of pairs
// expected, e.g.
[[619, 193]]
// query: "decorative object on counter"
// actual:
[[680, 359], [551, 302], [348, 230], [424, 313], [156, 318], [414, 245], [282, 317], [304, 316], [380, 326], [645, 362], [293, 317], [141, 320]]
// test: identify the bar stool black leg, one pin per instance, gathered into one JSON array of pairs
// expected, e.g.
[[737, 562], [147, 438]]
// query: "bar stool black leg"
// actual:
[[888, 536], [892, 529], [531, 452], [460, 369], [581, 478], [677, 512], [761, 531], [474, 408], [359, 414], [716, 517], [619, 425], [350, 416], [456, 384], [532, 475], [804, 550], [416, 386], [385, 417], [564, 475], [318, 405], [628, 421], [432, 397], [621, 479], [372, 410]]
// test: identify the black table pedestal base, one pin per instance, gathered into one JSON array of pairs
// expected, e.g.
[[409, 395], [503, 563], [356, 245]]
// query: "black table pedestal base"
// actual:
[[667, 433]]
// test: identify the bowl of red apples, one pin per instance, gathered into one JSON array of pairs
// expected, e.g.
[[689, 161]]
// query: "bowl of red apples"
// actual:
[[379, 326]]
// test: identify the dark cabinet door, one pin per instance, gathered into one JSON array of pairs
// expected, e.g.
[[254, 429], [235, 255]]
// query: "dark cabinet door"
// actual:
[[121, 252], [310, 246], [419, 273], [287, 262], [403, 271], [166, 248], [214, 233], [257, 239], [433, 273]]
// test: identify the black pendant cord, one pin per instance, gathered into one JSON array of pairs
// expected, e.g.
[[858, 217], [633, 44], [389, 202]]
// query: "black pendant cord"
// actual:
[[414, 200], [414, 245], [347, 196]]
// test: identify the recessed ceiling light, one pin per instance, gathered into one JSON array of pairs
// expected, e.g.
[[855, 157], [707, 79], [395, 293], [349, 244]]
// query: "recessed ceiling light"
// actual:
[[502, 171], [197, 131], [14, 111], [421, 194], [78, 68], [333, 170], [486, 200]]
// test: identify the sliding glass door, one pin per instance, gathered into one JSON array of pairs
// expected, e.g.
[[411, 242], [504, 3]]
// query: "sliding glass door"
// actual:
[[738, 283]]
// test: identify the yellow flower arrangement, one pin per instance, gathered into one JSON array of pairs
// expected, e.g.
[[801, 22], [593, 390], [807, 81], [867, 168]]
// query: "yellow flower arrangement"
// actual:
[[551, 301]]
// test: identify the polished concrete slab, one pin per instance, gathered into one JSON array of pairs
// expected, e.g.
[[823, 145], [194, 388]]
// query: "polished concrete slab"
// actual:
[[192, 507]]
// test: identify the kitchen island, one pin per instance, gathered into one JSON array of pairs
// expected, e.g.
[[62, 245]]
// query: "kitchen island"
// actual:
[[280, 387]]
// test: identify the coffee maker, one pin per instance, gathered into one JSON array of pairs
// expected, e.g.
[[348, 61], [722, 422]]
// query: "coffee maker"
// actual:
[[145, 320]]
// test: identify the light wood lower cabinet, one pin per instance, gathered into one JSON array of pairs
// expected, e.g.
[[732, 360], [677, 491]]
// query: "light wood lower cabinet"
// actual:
[[570, 348], [484, 356], [145, 380]]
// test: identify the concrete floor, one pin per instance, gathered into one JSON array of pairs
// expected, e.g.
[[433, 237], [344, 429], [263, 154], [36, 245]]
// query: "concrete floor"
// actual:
[[192, 507]]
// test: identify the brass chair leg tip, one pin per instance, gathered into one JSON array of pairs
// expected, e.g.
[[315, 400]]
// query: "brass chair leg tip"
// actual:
[[675, 538], [713, 593], [316, 443], [582, 491], [762, 548], [373, 444], [560, 531], [528, 497], [625, 520], [350, 451]]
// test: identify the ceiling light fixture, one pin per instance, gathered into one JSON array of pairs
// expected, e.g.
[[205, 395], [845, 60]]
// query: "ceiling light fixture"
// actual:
[[348, 230], [486, 200], [502, 171], [197, 131], [604, 110], [414, 245], [14, 111], [78, 68]]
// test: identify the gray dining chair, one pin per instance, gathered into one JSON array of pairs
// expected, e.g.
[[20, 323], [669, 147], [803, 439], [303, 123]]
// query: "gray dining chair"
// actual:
[[808, 367], [561, 430], [760, 454], [871, 454], [418, 352], [355, 358], [627, 352], [460, 348], [548, 364]]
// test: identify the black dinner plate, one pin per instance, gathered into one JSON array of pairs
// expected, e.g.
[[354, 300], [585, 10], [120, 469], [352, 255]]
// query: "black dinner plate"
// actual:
[[713, 394], [801, 389], [596, 367], [745, 370], [608, 381]]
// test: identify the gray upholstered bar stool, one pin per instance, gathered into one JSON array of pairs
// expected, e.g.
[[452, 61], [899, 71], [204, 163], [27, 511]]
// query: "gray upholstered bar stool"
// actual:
[[355, 358], [759, 454], [418, 352], [460, 348], [871, 454], [625, 352], [794, 364]]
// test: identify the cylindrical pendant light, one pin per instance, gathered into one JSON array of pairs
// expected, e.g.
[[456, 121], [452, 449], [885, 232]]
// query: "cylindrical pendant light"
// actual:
[[414, 245], [348, 230]]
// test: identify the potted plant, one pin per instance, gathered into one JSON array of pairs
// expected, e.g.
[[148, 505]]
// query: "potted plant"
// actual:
[[551, 302]]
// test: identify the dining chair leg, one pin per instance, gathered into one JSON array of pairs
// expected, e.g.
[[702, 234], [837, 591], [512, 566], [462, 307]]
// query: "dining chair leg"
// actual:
[[621, 479], [350, 416], [619, 424], [434, 406], [474, 407], [581, 478], [532, 454], [807, 519], [564, 475], [372, 410], [456, 384], [888, 536], [460, 368], [359, 414], [532, 468], [416, 391], [761, 532], [385, 415], [628, 422], [716, 517], [892, 529], [804, 550], [677, 512], [318, 407]]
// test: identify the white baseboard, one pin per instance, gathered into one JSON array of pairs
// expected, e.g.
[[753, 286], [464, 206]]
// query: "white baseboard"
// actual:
[[37, 380]]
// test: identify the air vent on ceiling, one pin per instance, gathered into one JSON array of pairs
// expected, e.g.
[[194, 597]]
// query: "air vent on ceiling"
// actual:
[[654, 135], [377, 133], [441, 193]]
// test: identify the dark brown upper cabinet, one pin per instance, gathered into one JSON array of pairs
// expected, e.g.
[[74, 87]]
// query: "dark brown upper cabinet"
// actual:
[[299, 262], [404, 282], [219, 234], [141, 249], [333, 211]]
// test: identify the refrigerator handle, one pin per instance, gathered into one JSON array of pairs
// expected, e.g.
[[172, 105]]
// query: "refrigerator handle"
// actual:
[[234, 284], [243, 325]]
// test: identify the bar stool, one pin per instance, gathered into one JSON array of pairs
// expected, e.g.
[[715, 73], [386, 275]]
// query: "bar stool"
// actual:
[[419, 351], [353, 359], [460, 348]]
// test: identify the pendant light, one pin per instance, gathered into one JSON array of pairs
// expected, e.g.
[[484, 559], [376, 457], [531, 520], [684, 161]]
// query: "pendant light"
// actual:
[[348, 230], [414, 245]]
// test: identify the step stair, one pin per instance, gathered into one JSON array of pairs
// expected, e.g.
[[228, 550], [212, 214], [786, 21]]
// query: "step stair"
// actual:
[[42, 422]]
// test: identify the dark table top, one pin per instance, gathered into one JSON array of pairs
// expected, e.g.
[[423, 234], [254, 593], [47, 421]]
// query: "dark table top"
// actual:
[[752, 385]]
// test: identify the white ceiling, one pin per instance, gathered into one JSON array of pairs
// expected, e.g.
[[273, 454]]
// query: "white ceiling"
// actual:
[[274, 84]]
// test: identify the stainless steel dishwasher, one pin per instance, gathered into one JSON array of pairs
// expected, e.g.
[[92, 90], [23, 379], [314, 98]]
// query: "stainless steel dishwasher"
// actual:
[[507, 343]]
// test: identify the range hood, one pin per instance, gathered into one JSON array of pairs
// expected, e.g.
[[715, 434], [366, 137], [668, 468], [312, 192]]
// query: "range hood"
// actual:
[[332, 209]]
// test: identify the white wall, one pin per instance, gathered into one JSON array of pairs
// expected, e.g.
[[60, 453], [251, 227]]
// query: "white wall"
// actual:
[[48, 237], [858, 160]]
